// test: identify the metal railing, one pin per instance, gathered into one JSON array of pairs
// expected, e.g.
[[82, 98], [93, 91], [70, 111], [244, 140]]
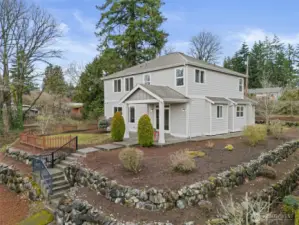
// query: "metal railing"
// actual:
[[38, 165]]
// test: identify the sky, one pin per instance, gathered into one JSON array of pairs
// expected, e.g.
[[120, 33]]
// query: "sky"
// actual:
[[234, 21]]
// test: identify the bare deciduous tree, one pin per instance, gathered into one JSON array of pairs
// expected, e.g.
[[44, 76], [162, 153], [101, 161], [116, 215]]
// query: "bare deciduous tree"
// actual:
[[206, 46], [168, 49], [74, 72]]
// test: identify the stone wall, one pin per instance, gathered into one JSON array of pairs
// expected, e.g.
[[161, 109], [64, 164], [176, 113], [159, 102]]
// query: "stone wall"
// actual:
[[19, 184], [19, 155], [157, 199]]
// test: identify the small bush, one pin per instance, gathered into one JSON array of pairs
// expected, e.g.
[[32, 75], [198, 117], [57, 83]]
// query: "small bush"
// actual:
[[229, 147], [131, 158], [145, 131], [276, 128], [210, 145], [255, 133], [182, 162], [103, 124], [117, 127], [267, 171]]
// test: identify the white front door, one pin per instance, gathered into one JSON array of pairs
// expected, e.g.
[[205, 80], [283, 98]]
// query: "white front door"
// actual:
[[166, 119]]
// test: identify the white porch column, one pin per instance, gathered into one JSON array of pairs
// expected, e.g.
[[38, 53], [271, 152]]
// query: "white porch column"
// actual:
[[126, 118], [161, 123]]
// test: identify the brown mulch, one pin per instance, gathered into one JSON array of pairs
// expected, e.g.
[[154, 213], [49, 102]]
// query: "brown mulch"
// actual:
[[13, 208], [177, 216], [156, 171], [22, 167]]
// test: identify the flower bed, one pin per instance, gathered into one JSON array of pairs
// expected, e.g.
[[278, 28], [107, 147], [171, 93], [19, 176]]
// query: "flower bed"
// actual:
[[158, 199]]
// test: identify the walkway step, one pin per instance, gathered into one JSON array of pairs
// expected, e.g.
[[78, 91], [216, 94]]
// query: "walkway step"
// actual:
[[58, 183], [78, 154], [66, 162], [71, 158], [55, 172], [58, 178], [59, 188], [61, 166], [58, 194]]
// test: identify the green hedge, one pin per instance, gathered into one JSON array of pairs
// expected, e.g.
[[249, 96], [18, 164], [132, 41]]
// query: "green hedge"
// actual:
[[117, 127], [145, 131]]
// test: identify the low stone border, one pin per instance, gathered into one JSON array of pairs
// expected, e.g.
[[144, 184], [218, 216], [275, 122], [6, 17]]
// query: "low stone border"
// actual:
[[19, 155], [157, 199], [19, 184]]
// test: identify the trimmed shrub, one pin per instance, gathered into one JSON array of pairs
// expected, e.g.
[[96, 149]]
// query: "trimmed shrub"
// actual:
[[255, 133], [145, 131], [181, 161], [276, 128], [117, 127], [131, 158]]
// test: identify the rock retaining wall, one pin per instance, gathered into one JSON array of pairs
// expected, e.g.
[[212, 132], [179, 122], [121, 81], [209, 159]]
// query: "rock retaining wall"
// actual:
[[19, 155], [19, 184], [157, 199]]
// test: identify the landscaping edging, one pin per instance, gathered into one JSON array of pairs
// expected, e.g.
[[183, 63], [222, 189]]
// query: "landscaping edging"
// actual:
[[157, 199], [19, 155], [15, 182]]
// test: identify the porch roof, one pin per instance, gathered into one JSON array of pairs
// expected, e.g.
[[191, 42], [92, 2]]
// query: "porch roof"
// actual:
[[244, 101], [218, 100], [154, 93]]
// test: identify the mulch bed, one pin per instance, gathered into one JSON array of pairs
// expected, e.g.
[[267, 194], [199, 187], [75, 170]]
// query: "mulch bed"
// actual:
[[177, 216], [13, 208], [156, 171], [22, 167]]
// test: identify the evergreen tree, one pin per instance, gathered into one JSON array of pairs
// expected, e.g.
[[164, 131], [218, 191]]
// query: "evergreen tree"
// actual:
[[54, 81], [132, 29]]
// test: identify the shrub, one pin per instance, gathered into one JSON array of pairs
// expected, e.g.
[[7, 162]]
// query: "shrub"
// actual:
[[103, 124], [229, 147], [276, 128], [145, 131], [182, 162], [117, 127], [195, 154], [255, 133], [131, 158], [210, 145], [267, 171]]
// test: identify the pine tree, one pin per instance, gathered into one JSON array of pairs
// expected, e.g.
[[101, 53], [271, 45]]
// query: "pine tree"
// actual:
[[132, 29], [54, 80]]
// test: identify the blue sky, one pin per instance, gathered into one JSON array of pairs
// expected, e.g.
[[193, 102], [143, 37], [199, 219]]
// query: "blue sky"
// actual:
[[234, 21]]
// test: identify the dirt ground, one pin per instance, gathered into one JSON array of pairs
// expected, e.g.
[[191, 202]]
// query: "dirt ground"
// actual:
[[156, 171], [13, 208], [22, 167], [177, 216]]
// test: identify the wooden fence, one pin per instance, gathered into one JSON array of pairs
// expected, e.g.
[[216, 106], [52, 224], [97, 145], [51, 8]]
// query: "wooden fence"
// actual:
[[44, 142]]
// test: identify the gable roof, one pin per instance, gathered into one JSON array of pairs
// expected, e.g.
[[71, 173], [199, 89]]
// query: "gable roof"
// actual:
[[161, 93], [169, 61]]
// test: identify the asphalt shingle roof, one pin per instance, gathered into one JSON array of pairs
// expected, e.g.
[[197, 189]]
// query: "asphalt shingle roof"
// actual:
[[164, 92], [218, 100]]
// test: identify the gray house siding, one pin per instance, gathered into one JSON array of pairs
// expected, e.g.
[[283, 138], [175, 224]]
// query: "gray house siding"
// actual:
[[140, 95], [178, 119], [199, 117], [219, 125], [216, 84]]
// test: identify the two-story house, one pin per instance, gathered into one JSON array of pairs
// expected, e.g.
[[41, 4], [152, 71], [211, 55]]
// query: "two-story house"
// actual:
[[183, 96]]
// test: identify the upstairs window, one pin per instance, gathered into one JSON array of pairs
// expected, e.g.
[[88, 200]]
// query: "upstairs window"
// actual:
[[241, 85], [179, 75], [129, 83], [117, 85], [132, 114], [147, 79], [240, 111], [200, 76], [219, 111]]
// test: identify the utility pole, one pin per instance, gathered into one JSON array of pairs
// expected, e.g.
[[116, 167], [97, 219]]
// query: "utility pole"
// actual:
[[247, 74]]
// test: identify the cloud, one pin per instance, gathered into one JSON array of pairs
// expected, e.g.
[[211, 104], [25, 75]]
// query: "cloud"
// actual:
[[86, 24], [174, 16], [64, 28]]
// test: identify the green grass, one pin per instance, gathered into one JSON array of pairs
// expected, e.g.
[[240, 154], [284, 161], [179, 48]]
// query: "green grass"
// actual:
[[42, 217], [87, 138]]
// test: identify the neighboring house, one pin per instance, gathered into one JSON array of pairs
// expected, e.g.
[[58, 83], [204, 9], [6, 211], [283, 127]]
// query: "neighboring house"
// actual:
[[274, 93], [189, 97], [76, 108]]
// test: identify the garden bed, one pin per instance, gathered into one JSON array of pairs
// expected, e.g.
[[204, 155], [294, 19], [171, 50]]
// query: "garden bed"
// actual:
[[156, 171]]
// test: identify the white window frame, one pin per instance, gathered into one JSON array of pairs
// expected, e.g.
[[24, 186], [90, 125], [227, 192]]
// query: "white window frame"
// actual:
[[150, 79], [241, 85], [130, 88], [219, 106], [117, 109], [114, 86], [129, 114], [240, 111], [176, 78], [204, 76]]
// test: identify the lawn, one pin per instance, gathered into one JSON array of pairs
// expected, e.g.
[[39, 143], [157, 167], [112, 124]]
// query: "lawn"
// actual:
[[86, 139]]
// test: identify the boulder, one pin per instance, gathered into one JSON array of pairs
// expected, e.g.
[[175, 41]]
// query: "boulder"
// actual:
[[181, 204], [205, 206], [267, 171]]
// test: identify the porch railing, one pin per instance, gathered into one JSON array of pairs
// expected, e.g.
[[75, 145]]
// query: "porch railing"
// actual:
[[39, 166]]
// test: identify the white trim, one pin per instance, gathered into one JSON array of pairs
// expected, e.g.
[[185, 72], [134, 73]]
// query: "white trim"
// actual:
[[142, 101], [220, 132], [187, 120], [142, 88], [222, 117], [111, 101], [184, 77], [227, 117], [129, 114], [129, 82], [241, 106], [187, 80], [233, 118], [242, 84], [120, 85], [166, 100], [211, 117], [209, 100], [150, 76], [166, 107]]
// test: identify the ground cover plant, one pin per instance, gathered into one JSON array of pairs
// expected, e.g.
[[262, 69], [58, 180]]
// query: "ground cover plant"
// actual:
[[131, 159]]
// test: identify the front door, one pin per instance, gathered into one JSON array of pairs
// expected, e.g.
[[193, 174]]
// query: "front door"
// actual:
[[166, 119]]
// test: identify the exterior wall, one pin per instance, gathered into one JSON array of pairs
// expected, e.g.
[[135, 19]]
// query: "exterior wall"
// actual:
[[219, 125], [178, 119], [216, 85], [240, 122], [199, 117]]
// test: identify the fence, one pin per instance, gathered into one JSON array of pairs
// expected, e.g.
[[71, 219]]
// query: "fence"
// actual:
[[44, 142]]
